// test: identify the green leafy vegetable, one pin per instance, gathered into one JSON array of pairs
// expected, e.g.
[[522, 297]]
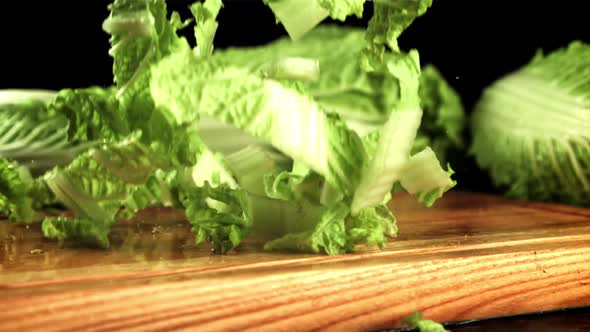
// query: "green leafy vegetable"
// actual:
[[218, 212], [92, 191], [119, 179], [17, 96], [92, 115], [208, 195], [31, 136], [340, 9], [205, 14], [83, 231], [252, 164], [424, 325], [393, 143], [298, 16], [390, 19], [293, 69], [531, 128], [424, 177], [291, 121], [15, 183], [396, 137], [222, 137], [363, 99], [297, 144], [43, 134], [371, 227], [328, 235], [444, 117], [141, 35]]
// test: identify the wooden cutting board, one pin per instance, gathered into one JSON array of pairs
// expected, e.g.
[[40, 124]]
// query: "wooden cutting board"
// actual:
[[470, 256]]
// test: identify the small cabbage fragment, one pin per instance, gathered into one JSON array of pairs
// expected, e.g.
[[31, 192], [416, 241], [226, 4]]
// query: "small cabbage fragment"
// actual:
[[424, 325], [218, 212], [15, 183], [396, 137], [205, 14], [424, 177], [390, 19], [328, 235], [301, 16], [444, 116], [81, 231]]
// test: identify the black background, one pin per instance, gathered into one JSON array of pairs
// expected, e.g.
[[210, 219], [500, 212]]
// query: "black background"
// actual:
[[60, 43]]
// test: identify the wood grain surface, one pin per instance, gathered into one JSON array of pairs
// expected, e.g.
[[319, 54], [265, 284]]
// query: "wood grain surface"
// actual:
[[471, 256]]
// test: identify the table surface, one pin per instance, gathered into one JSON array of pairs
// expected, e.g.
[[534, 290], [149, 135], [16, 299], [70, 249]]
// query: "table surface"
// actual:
[[471, 256]]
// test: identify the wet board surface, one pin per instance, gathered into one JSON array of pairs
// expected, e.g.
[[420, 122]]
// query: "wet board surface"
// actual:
[[471, 256]]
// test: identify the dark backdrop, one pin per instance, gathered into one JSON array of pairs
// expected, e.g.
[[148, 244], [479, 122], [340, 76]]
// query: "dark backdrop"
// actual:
[[59, 43]]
